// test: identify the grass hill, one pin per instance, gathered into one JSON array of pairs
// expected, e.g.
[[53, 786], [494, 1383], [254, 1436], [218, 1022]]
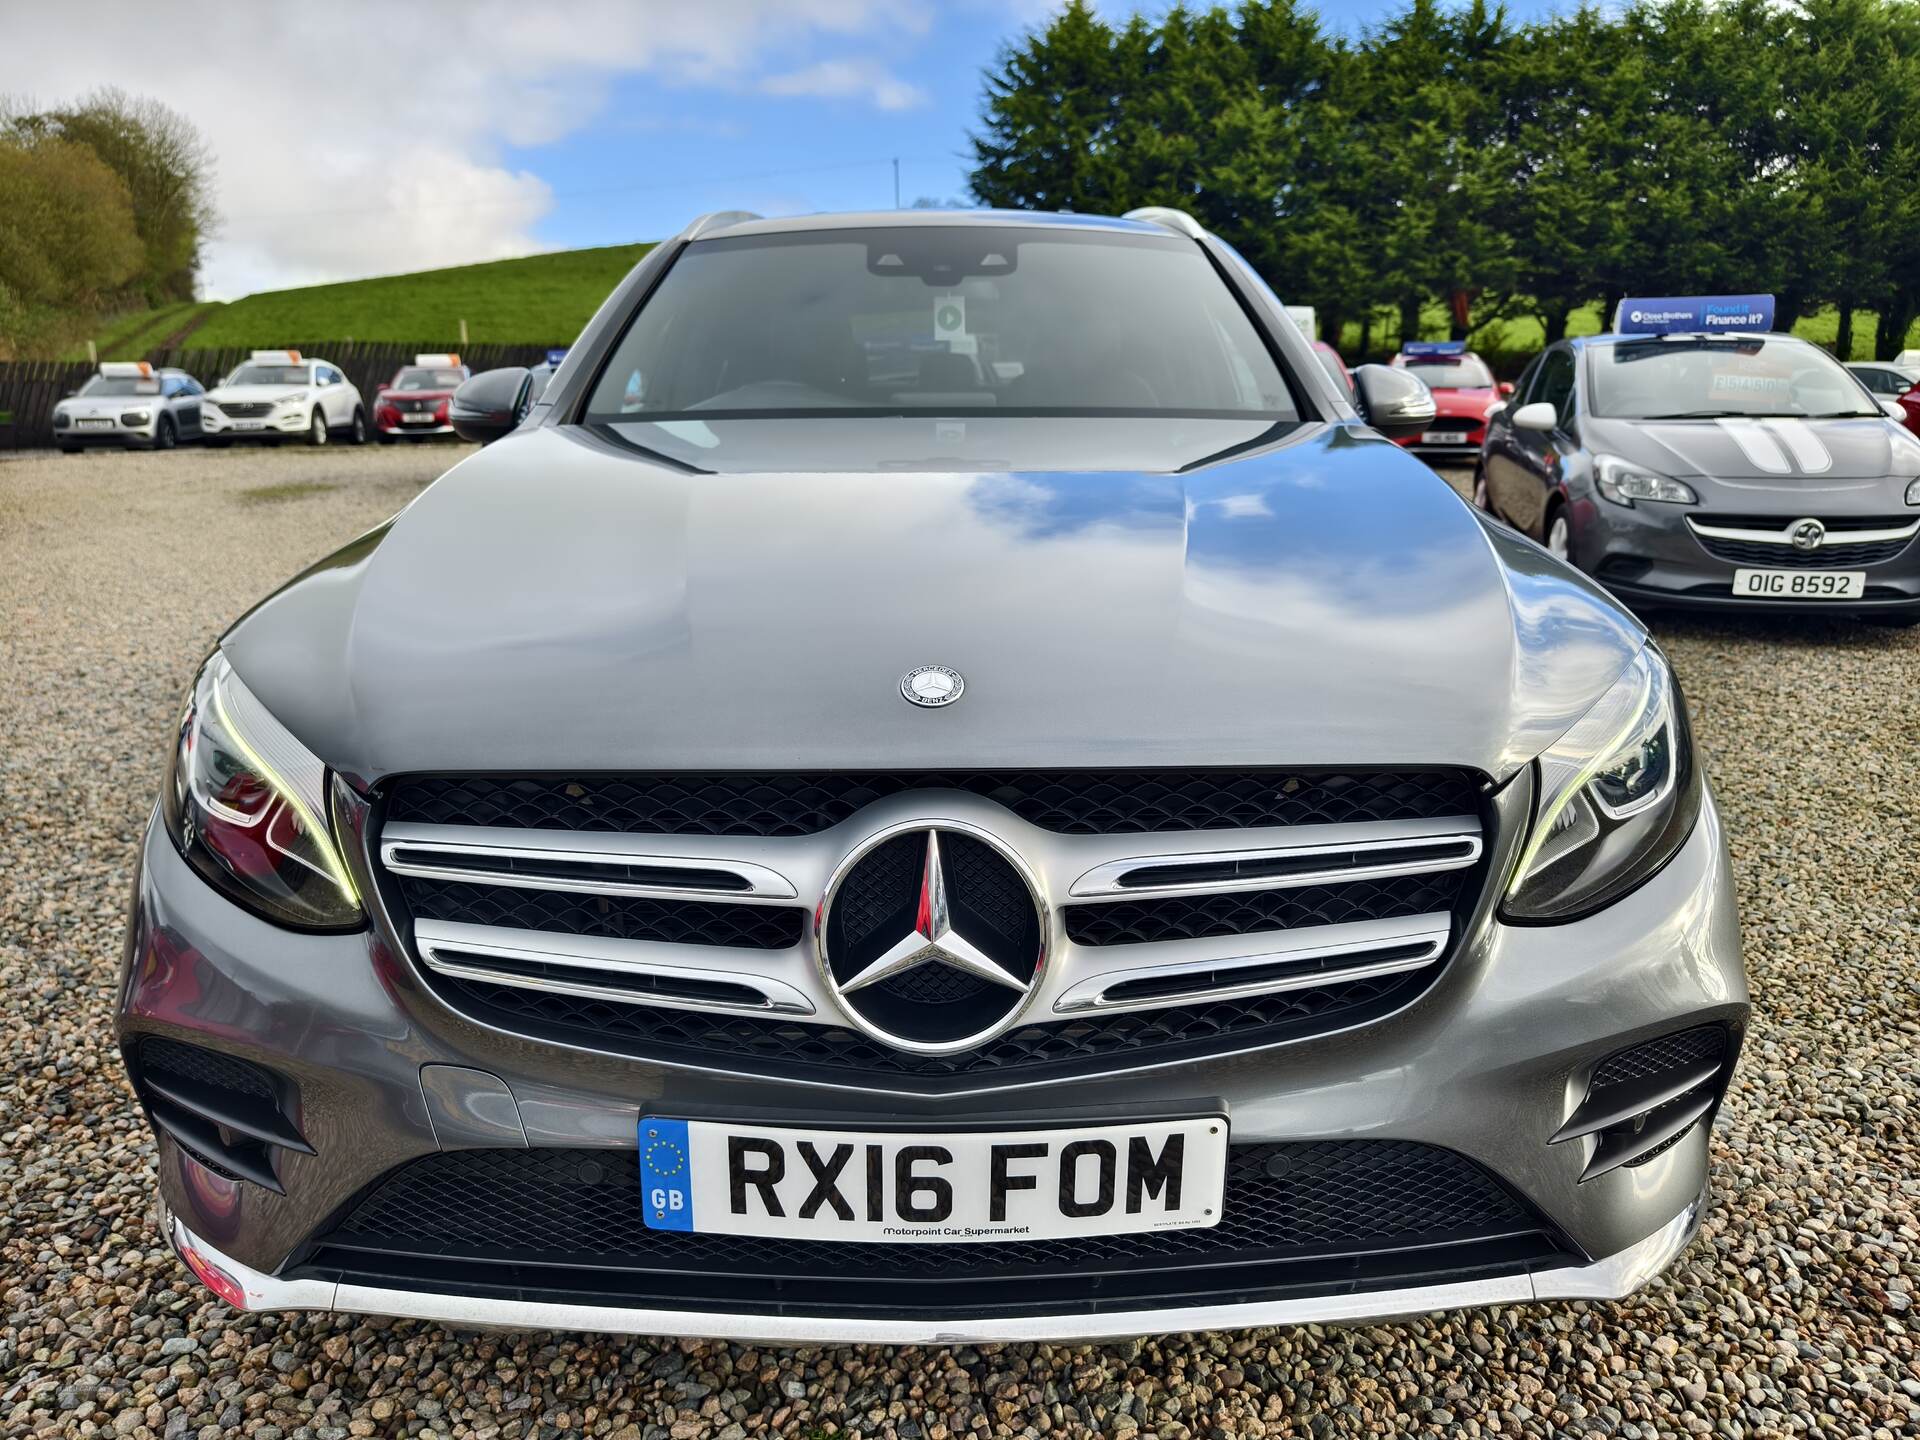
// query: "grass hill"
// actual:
[[535, 300]]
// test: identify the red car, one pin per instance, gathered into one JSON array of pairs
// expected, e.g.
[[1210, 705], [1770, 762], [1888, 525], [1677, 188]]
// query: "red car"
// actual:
[[1463, 391], [415, 401]]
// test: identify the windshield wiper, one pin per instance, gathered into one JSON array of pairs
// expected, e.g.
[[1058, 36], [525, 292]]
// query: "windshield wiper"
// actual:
[[1701, 415]]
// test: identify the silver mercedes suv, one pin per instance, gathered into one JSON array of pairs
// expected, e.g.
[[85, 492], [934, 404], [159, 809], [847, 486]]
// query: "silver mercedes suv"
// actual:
[[941, 782]]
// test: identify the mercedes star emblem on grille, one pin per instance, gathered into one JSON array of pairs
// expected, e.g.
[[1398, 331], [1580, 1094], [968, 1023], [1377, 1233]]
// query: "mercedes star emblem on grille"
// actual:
[[932, 686], [1807, 535], [931, 936]]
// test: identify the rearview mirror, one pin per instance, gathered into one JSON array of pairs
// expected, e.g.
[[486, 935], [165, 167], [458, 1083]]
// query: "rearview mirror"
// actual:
[[1538, 416], [490, 405], [1394, 402]]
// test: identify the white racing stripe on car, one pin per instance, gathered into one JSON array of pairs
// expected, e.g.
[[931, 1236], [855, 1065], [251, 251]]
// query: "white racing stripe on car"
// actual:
[[1808, 452], [1757, 445]]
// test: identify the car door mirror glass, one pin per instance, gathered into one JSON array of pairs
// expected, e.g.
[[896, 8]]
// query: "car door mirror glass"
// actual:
[[1540, 415], [1394, 402]]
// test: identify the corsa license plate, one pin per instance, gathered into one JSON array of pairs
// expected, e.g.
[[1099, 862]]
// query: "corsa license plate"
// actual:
[[1801, 584], [939, 1186]]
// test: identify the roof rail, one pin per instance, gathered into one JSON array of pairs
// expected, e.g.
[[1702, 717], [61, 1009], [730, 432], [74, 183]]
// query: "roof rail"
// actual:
[[718, 220], [1178, 221]]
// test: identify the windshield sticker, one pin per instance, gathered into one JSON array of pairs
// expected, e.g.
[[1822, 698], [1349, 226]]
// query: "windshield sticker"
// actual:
[[950, 324], [634, 397]]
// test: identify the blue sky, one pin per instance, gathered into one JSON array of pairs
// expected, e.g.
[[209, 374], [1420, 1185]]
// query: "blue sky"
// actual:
[[676, 152], [353, 137]]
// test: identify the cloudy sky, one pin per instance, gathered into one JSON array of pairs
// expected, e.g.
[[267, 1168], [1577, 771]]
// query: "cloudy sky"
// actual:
[[358, 138]]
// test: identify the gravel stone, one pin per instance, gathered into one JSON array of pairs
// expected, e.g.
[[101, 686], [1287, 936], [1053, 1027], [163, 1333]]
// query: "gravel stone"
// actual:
[[1791, 1316]]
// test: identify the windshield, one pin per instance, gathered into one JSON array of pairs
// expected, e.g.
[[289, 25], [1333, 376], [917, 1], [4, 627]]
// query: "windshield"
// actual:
[[942, 320], [1709, 378], [423, 379], [1461, 372], [269, 375], [120, 385]]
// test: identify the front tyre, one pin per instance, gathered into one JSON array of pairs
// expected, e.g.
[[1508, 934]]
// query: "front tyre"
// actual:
[[317, 429], [164, 437], [358, 434], [1482, 497], [1560, 534]]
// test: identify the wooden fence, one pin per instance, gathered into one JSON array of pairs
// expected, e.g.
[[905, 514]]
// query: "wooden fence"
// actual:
[[29, 389]]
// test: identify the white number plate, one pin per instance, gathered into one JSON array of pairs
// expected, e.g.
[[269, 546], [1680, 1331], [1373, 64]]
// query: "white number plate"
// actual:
[[1801, 584], [940, 1186], [1444, 437], [417, 417], [90, 422], [249, 424]]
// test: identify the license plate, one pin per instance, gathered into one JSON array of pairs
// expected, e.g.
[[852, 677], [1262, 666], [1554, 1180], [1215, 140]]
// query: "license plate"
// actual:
[[249, 424], [1444, 437], [414, 417], [1801, 584], [88, 422], [940, 1186]]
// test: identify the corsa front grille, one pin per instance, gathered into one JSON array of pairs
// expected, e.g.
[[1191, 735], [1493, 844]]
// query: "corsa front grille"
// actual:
[[1833, 555], [1068, 802], [569, 1223]]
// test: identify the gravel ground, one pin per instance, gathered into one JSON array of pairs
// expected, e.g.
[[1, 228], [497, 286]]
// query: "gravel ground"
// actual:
[[1794, 1314]]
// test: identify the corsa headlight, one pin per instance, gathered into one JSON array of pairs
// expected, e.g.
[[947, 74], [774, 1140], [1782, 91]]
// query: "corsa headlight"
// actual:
[[247, 804], [1616, 796], [1913, 492], [1624, 482]]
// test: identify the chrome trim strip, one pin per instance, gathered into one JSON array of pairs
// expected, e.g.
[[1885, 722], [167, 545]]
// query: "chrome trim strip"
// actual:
[[1105, 881], [1613, 1278], [1368, 937], [399, 840], [1784, 535], [439, 942]]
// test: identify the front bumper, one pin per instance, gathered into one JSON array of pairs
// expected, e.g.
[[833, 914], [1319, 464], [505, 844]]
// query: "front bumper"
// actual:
[[1647, 556], [1613, 1278], [218, 425], [402, 430], [1488, 1064]]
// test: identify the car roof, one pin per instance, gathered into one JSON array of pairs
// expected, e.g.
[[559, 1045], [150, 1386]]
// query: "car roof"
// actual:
[[933, 219]]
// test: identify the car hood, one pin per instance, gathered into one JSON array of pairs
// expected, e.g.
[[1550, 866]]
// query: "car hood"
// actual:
[[258, 392], [561, 602], [1463, 404], [1788, 458]]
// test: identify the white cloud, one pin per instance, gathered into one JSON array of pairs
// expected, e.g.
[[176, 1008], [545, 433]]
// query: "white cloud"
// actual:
[[847, 80], [353, 137]]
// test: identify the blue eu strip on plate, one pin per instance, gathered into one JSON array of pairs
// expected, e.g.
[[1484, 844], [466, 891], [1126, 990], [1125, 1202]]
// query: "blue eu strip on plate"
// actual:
[[666, 1177]]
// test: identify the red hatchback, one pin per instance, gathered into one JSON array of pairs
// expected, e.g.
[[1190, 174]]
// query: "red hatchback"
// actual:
[[1463, 391], [415, 401]]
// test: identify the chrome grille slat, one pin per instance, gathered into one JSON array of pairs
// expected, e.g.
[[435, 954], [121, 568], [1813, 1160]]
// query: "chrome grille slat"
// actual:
[[453, 852], [1352, 860]]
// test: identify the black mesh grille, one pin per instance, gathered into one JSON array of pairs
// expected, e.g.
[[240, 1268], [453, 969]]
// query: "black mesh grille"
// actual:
[[1830, 556], [762, 1044], [1074, 802], [1666, 1055], [622, 917], [1187, 917], [205, 1067], [246, 409], [583, 1208]]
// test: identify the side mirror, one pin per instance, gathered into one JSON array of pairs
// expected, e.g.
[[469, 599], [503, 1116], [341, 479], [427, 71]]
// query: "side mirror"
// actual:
[[1506, 387], [1537, 416], [490, 405], [1892, 407], [1394, 402]]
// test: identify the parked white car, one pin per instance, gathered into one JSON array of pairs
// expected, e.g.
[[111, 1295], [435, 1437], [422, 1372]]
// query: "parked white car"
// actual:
[[282, 395]]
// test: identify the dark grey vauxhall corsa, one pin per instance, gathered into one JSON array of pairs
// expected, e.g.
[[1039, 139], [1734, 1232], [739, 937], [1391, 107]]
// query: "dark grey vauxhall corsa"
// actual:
[[1726, 471], [941, 783]]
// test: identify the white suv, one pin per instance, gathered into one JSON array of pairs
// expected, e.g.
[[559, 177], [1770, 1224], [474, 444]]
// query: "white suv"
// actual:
[[280, 394]]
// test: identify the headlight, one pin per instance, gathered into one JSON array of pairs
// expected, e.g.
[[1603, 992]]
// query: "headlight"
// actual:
[[1617, 796], [247, 803], [61, 420], [297, 398], [1623, 483], [1913, 492], [135, 417]]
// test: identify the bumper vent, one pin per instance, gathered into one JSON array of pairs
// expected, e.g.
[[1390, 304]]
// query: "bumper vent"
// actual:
[[567, 1224], [229, 1114], [1069, 802], [1643, 1101]]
